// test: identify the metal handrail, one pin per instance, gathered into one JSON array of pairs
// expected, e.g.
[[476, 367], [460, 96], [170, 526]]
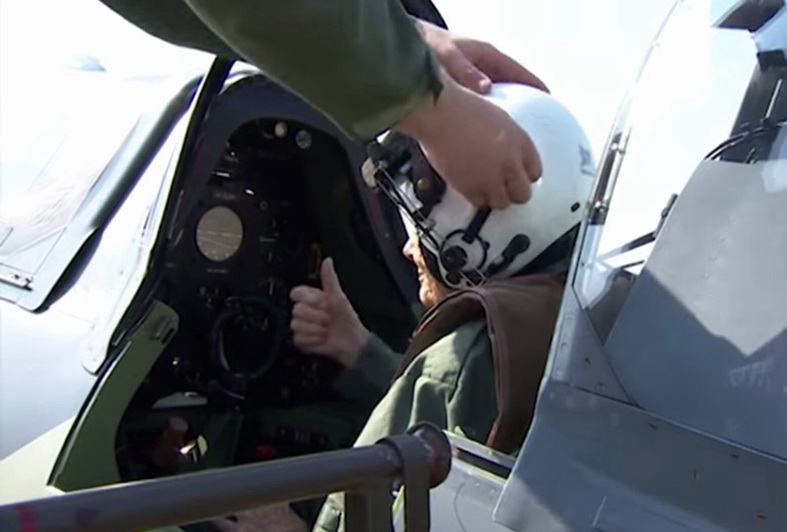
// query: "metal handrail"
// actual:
[[364, 472]]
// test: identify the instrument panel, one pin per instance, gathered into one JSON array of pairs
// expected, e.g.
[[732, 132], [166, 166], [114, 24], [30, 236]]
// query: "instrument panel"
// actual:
[[251, 236], [219, 233], [251, 240]]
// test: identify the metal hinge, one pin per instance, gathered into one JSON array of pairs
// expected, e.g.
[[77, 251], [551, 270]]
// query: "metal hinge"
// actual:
[[16, 277]]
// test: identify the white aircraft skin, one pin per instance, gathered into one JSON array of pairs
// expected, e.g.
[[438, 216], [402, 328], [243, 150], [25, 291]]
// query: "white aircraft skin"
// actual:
[[50, 361]]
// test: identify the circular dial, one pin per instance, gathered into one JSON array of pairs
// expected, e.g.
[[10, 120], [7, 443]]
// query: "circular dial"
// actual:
[[219, 233]]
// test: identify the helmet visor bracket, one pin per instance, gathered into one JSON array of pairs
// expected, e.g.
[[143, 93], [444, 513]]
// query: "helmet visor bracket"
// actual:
[[400, 189]]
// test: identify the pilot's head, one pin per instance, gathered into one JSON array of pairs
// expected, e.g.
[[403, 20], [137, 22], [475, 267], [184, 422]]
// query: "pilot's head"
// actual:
[[454, 245]]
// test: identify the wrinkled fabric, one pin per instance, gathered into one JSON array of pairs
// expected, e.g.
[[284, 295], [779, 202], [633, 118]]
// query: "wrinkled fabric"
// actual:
[[520, 315], [473, 367], [445, 386], [361, 62], [368, 380]]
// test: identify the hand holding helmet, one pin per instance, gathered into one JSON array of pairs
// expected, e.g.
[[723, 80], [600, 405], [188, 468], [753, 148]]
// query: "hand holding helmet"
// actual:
[[472, 63], [475, 146], [464, 245]]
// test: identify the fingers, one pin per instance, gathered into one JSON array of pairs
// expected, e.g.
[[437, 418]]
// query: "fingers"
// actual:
[[499, 66], [514, 186], [498, 197], [465, 73], [308, 342], [309, 296], [309, 326], [532, 160], [311, 314], [518, 190], [478, 148], [478, 198], [330, 281], [307, 329], [311, 345], [310, 317]]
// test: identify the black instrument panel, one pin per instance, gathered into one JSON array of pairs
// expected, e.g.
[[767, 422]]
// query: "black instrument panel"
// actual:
[[251, 237], [260, 203], [250, 240]]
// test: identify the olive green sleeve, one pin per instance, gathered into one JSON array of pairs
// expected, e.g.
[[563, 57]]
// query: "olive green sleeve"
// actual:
[[451, 384], [372, 374], [361, 62]]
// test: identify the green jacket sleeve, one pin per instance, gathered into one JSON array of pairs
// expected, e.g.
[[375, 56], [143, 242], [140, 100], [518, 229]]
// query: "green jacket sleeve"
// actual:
[[361, 62], [372, 375], [451, 384]]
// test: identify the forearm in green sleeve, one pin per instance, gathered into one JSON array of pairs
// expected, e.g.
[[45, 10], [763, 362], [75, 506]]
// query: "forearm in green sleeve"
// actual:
[[361, 62], [372, 373]]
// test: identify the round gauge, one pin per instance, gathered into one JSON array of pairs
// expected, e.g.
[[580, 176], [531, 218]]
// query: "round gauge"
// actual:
[[219, 233]]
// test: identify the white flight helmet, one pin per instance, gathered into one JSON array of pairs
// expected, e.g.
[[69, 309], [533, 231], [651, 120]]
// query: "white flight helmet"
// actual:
[[463, 245]]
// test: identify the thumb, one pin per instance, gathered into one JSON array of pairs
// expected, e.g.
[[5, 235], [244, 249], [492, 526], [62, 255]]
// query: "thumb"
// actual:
[[330, 281], [467, 75]]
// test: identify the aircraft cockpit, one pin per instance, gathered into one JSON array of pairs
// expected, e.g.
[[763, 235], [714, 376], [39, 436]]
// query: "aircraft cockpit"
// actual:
[[204, 372]]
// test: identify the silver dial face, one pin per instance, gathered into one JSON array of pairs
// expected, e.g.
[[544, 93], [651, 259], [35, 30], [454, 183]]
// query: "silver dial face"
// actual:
[[219, 233]]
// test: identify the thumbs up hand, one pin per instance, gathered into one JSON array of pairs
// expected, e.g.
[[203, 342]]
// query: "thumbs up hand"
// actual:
[[324, 322]]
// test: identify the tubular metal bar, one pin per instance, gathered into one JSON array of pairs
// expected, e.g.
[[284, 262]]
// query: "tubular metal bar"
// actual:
[[202, 496], [369, 508]]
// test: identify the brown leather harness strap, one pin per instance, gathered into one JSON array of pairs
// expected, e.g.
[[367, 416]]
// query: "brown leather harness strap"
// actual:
[[520, 315]]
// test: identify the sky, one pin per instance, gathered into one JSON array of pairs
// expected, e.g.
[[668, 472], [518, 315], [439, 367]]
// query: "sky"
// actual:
[[588, 52], [585, 51]]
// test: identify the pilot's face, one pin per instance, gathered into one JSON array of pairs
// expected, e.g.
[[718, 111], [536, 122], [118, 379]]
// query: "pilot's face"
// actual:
[[431, 290]]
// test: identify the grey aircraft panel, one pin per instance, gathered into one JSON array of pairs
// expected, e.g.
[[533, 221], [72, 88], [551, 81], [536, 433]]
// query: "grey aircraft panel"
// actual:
[[464, 502], [702, 337], [591, 371], [592, 463]]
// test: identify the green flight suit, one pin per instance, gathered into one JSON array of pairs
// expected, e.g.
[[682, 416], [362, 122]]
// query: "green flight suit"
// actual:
[[441, 385], [474, 367], [361, 62], [371, 376]]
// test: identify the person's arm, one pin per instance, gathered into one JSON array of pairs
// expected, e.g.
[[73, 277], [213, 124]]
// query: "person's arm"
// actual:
[[472, 63], [325, 51], [324, 323], [451, 384], [364, 64], [372, 373]]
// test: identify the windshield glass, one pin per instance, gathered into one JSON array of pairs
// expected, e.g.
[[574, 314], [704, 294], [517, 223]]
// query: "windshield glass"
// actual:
[[70, 92], [684, 104]]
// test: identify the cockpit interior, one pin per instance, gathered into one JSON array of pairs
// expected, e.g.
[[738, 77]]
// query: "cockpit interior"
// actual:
[[265, 199]]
